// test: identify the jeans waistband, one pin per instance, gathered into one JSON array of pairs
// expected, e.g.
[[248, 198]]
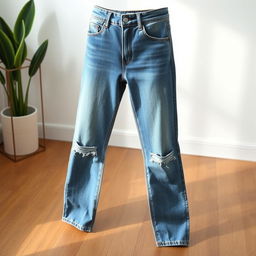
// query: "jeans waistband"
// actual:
[[129, 17]]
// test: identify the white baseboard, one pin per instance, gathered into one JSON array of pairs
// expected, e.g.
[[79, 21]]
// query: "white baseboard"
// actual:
[[130, 139]]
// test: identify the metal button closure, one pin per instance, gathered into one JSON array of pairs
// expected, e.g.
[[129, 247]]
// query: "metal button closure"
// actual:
[[125, 19]]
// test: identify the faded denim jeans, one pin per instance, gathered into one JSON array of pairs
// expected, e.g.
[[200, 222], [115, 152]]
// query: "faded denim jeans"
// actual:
[[130, 48]]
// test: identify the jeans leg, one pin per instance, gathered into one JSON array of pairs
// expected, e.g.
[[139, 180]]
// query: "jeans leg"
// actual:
[[101, 91], [153, 97]]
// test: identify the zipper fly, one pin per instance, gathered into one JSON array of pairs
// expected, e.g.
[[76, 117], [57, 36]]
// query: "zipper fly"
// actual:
[[126, 47]]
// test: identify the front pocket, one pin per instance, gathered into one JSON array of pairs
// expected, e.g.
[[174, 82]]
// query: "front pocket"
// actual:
[[96, 26], [157, 30]]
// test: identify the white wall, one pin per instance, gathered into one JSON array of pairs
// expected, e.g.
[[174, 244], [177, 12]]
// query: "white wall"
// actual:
[[215, 54]]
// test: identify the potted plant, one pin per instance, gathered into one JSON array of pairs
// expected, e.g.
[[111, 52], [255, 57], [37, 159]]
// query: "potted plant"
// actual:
[[13, 53]]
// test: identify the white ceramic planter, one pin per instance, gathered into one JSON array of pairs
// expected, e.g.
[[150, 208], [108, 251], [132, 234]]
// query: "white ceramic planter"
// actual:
[[25, 131]]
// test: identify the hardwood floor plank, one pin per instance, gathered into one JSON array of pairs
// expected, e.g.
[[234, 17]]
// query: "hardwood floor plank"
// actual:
[[221, 196]]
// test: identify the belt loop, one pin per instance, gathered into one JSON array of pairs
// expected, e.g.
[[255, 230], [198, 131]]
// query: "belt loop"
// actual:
[[107, 19], [139, 19]]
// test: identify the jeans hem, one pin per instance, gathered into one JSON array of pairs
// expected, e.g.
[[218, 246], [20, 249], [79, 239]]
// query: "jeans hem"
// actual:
[[76, 225], [172, 243]]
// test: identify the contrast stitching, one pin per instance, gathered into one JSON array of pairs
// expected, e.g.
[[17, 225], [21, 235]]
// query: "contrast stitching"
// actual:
[[75, 224], [172, 243], [144, 21]]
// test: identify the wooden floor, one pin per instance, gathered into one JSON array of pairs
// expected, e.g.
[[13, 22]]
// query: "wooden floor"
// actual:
[[221, 194]]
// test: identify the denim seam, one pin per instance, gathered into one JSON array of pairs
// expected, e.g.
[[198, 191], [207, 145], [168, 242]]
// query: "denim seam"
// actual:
[[173, 89], [129, 54], [145, 33], [152, 214], [65, 200], [64, 206], [97, 193], [174, 102], [77, 225], [122, 52], [185, 199], [102, 30], [64, 210], [144, 21], [172, 243]]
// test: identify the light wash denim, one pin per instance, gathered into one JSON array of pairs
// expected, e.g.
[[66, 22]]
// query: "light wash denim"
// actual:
[[130, 48]]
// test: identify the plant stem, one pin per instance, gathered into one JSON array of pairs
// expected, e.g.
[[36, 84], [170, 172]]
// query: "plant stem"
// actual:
[[20, 94], [27, 90], [13, 101]]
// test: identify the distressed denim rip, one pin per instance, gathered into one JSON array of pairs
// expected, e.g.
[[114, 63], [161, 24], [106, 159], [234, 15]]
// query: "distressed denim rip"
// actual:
[[130, 48]]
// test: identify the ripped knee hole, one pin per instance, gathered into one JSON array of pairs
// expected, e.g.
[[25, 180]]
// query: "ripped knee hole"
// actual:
[[162, 159], [84, 150]]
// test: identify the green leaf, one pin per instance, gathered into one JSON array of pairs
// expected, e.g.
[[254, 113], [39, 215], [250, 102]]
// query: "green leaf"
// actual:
[[27, 91], [25, 51], [6, 49], [2, 79], [15, 72], [19, 54], [4, 26], [27, 14], [38, 58]]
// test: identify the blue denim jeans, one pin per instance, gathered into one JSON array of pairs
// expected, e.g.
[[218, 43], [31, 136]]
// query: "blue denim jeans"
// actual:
[[130, 48]]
